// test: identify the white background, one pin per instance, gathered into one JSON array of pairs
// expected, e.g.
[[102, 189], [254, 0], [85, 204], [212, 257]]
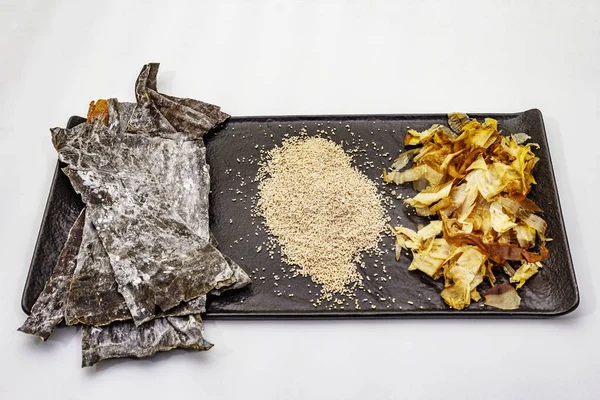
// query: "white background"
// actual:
[[324, 57]]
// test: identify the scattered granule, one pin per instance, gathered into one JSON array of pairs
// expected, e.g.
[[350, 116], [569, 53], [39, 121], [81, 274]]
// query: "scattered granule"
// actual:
[[323, 212]]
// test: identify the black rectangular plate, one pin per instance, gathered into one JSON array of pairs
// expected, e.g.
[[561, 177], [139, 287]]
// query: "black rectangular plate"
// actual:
[[233, 154]]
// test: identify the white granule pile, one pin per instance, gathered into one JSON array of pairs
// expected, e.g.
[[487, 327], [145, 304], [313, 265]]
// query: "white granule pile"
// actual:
[[322, 211]]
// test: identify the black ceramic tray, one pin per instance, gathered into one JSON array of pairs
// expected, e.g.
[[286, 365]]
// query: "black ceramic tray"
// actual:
[[233, 152]]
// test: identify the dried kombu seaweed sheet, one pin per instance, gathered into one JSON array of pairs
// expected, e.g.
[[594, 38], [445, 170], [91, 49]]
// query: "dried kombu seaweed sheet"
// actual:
[[48, 310], [156, 235], [142, 249], [94, 298], [125, 339], [158, 114], [240, 277], [160, 174]]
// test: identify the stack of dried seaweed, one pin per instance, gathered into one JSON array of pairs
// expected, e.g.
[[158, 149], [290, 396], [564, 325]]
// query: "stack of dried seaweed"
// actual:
[[138, 262]]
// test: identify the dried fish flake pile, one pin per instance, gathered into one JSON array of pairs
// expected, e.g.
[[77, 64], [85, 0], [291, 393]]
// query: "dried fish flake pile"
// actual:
[[476, 181], [322, 211], [139, 262]]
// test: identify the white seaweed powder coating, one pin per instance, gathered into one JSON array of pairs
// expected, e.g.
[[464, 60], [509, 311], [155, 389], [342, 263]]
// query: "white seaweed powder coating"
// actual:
[[323, 212]]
